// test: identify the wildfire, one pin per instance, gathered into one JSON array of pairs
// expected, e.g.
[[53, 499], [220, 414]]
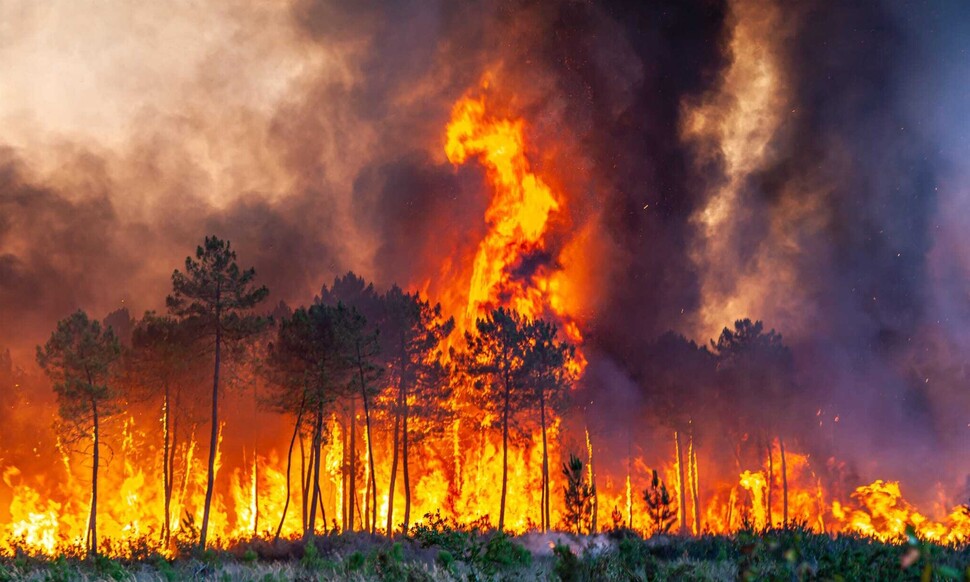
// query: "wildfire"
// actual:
[[518, 216], [457, 473]]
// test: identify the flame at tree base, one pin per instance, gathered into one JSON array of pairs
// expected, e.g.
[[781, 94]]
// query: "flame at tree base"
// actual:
[[457, 473]]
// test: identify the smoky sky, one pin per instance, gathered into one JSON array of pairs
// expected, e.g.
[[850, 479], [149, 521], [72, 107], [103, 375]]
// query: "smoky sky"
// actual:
[[310, 135]]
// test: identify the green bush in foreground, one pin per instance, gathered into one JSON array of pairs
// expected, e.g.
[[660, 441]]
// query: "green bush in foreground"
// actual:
[[438, 550]]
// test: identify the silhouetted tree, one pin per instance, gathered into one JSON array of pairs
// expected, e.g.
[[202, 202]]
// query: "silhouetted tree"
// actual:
[[360, 297], [287, 368], [548, 364], [496, 358], [362, 351], [660, 508], [756, 374], [578, 494], [79, 357], [162, 360], [678, 376], [216, 296], [310, 356], [412, 333]]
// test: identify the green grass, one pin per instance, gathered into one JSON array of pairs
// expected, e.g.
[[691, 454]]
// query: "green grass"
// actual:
[[439, 551]]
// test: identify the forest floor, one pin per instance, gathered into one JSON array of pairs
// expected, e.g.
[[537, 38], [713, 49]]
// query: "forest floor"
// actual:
[[443, 553]]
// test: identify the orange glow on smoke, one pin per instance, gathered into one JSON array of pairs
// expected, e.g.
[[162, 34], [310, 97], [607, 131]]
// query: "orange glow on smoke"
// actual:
[[456, 474]]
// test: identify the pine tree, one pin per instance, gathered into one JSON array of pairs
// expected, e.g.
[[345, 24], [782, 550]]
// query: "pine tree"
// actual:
[[163, 362], [412, 333], [548, 364], [216, 297], [660, 507], [578, 494], [79, 357], [497, 358]]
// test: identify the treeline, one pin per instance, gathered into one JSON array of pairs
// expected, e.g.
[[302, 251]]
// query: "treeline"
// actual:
[[389, 356], [739, 394]]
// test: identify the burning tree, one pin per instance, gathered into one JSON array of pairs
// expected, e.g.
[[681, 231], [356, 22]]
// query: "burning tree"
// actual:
[[313, 372], [412, 334], [79, 357], [756, 373], [660, 507], [163, 360], [215, 296], [286, 367], [497, 359], [362, 350], [579, 494], [518, 365], [548, 362], [362, 346], [680, 372]]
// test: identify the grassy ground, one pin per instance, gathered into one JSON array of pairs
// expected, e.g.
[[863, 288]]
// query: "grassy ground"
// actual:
[[439, 552]]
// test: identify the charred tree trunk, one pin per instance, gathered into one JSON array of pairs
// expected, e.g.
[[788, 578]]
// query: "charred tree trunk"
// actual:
[[317, 438], [395, 442], [305, 472], [681, 482], [352, 485], [694, 487], [372, 481], [289, 464], [592, 481], [214, 436], [170, 463], [771, 479], [323, 508], [784, 484], [344, 440], [405, 453], [166, 466], [93, 518], [544, 509], [255, 494], [505, 453]]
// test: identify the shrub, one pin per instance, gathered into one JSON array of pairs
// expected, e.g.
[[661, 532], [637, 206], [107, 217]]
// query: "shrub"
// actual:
[[355, 561], [502, 552], [311, 559], [567, 564]]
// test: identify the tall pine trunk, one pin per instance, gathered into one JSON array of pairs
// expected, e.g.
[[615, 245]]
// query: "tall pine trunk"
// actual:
[[694, 486], [784, 484], [771, 479], [173, 448], [352, 487], [289, 464], [255, 493], [681, 482], [592, 481], [214, 437], [545, 463], [372, 482], [317, 438], [166, 466], [395, 441], [93, 518], [505, 456], [405, 453], [344, 474], [306, 469]]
